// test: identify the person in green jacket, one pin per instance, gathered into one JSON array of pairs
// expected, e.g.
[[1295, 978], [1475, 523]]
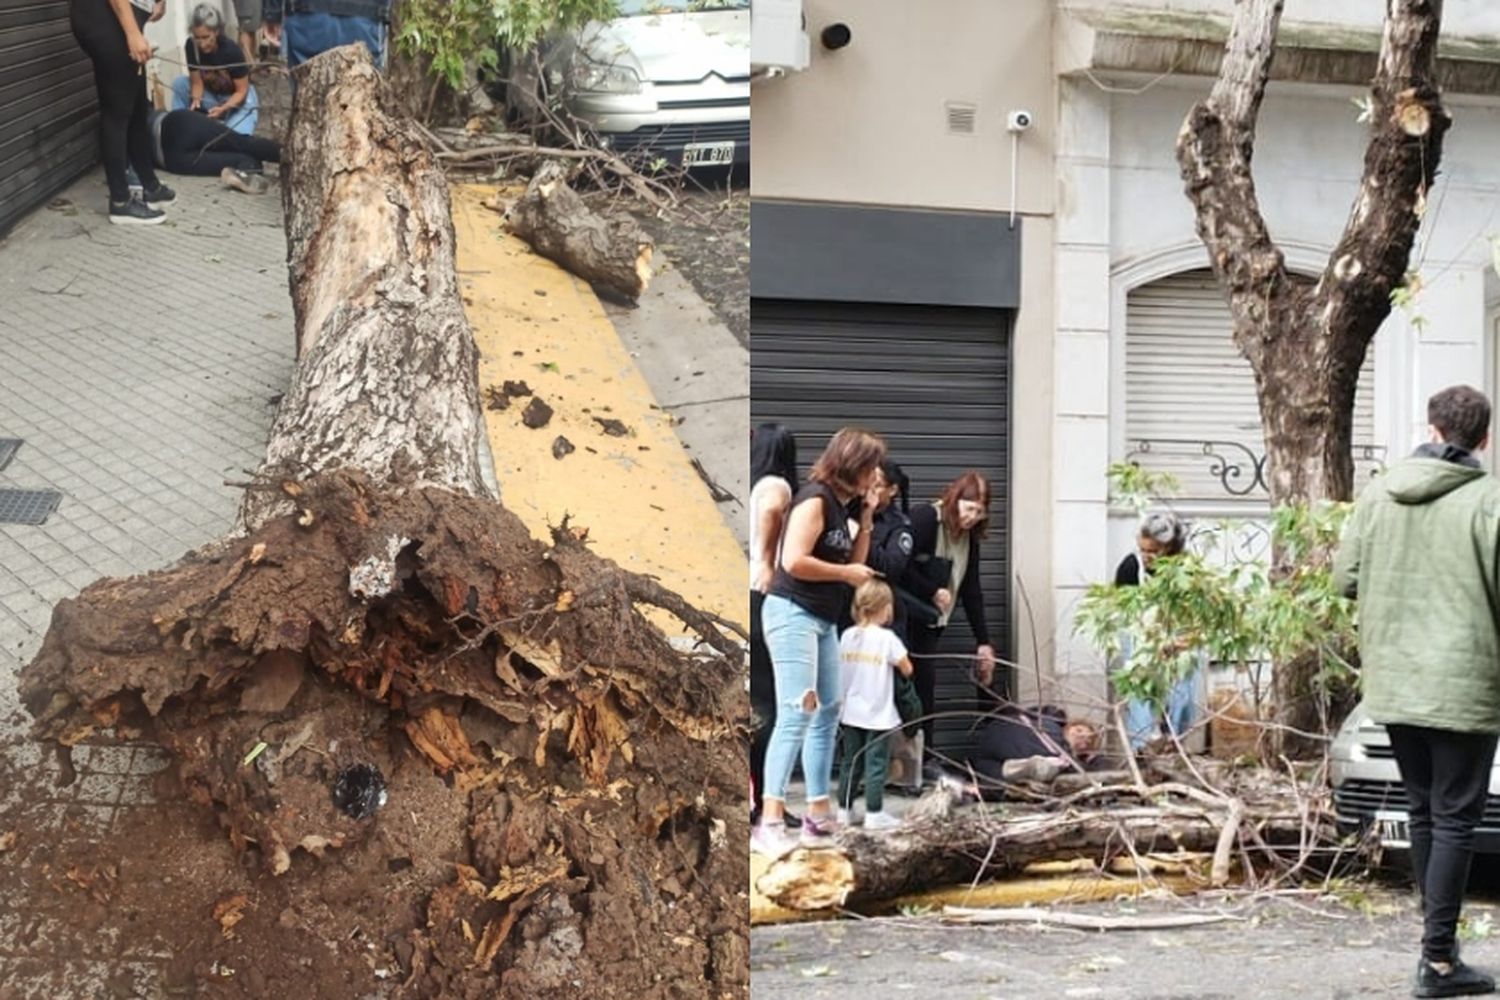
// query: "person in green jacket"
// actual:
[[1421, 552]]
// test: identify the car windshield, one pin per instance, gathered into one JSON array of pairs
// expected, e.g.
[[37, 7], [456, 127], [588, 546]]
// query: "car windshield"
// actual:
[[642, 8]]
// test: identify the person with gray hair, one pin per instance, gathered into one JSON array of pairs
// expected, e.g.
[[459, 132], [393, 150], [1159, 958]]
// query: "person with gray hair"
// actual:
[[217, 82], [1161, 533]]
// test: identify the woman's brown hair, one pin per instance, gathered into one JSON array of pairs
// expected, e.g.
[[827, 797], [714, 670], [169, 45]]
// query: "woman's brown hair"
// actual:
[[969, 486], [849, 456]]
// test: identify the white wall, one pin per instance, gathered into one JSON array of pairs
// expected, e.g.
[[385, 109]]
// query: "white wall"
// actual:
[[1463, 17]]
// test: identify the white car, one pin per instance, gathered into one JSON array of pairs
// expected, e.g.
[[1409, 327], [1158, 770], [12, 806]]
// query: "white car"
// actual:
[[668, 80], [1367, 793]]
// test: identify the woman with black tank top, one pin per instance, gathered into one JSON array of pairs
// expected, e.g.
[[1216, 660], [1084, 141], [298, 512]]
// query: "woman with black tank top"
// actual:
[[820, 560]]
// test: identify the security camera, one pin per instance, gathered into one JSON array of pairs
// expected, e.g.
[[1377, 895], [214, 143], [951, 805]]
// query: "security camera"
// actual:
[[1019, 121]]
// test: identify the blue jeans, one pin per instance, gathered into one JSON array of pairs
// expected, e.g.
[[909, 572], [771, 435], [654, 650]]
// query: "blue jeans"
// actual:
[[1181, 708], [804, 658], [306, 35], [242, 120]]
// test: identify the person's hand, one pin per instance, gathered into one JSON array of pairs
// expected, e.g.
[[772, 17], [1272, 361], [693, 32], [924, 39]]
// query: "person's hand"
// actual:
[[218, 111], [943, 599], [195, 104], [871, 502], [764, 574], [140, 49], [986, 665], [272, 31], [857, 574], [158, 10]]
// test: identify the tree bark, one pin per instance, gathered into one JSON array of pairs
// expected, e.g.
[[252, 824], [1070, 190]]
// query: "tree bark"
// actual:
[[376, 610], [949, 849], [387, 379], [554, 219], [1306, 340]]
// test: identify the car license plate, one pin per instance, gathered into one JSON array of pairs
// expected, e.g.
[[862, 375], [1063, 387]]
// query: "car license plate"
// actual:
[[1393, 827], [707, 154]]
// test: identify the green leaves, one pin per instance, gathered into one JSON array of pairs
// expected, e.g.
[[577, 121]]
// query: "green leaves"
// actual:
[[1231, 609], [454, 33]]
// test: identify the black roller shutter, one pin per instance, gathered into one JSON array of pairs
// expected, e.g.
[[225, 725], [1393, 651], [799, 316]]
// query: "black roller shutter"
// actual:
[[935, 382], [49, 132]]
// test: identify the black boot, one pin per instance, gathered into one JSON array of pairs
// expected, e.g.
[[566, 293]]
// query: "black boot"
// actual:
[[1459, 981]]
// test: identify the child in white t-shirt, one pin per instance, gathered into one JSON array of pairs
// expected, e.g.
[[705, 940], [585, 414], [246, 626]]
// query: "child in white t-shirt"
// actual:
[[869, 655]]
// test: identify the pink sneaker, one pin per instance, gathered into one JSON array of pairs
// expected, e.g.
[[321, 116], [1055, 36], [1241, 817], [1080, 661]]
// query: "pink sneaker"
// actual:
[[772, 840], [819, 831]]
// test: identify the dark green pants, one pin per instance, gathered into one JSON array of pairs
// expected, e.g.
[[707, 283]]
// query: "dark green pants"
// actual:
[[866, 752]]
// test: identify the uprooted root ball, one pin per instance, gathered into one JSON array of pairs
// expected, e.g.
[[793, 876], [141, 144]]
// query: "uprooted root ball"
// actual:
[[576, 784]]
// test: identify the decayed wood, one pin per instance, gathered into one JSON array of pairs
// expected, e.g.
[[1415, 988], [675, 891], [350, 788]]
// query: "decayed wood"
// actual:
[[387, 379], [554, 219], [1306, 340], [946, 848]]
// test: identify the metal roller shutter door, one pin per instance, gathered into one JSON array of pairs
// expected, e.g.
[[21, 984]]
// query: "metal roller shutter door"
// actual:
[[935, 382], [49, 126], [1185, 379]]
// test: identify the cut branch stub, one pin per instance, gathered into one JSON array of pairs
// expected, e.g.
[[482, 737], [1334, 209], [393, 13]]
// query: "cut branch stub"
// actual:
[[559, 225]]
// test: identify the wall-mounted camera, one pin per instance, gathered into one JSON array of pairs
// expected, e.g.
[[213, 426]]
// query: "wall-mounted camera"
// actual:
[[1019, 121]]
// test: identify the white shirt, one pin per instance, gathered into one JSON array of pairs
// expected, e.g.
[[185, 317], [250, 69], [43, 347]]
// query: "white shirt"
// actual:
[[868, 655], [767, 491]]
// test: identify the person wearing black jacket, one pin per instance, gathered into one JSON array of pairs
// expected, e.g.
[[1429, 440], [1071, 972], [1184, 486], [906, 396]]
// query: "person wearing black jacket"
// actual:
[[891, 541], [1026, 744], [944, 569]]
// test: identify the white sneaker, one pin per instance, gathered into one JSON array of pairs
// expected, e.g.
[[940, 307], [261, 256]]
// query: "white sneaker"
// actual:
[[772, 840], [847, 817], [881, 821]]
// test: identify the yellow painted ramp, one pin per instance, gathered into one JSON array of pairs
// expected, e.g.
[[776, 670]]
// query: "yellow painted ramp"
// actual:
[[643, 503]]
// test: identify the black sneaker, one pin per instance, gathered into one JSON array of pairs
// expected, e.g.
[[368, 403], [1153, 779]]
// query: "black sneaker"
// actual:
[[135, 212], [1460, 981], [161, 196]]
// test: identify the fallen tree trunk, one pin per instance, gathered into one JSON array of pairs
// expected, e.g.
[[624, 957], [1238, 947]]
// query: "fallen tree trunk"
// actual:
[[559, 225], [380, 637], [942, 848]]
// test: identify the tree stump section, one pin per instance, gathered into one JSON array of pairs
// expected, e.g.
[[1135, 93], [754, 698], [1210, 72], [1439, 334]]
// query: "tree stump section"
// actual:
[[940, 847], [559, 225], [575, 783]]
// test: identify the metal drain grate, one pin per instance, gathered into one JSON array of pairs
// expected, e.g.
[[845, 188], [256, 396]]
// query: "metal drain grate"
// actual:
[[8, 449], [28, 506]]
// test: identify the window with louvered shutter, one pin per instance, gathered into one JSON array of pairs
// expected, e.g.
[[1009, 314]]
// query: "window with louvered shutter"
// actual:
[[1190, 406]]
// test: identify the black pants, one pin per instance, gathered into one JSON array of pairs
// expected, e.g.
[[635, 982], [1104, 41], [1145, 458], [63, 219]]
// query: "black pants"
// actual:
[[924, 643], [762, 697], [193, 143], [1447, 778], [123, 134]]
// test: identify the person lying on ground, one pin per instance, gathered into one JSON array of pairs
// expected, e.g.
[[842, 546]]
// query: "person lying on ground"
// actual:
[[218, 78], [1026, 745], [870, 655], [186, 142]]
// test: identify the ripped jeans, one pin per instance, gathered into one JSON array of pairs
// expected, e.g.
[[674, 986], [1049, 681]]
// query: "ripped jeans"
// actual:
[[804, 659]]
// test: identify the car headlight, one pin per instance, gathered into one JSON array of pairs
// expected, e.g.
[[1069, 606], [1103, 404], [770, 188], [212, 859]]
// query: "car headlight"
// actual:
[[597, 78]]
